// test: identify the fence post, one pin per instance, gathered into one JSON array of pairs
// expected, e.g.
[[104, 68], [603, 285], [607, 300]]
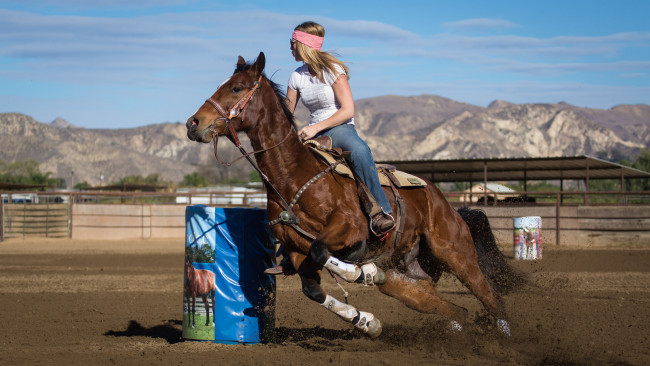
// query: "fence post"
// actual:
[[2, 219], [70, 203], [557, 218]]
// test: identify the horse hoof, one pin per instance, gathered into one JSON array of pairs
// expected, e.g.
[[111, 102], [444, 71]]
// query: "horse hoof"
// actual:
[[372, 275], [504, 327], [374, 328], [369, 324]]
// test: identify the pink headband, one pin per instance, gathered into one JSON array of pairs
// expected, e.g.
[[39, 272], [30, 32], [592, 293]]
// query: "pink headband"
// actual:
[[307, 39]]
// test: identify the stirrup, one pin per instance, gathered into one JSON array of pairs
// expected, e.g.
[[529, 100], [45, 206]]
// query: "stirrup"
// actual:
[[381, 234]]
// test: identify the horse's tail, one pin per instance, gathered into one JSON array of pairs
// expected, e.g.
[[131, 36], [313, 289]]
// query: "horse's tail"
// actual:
[[503, 276]]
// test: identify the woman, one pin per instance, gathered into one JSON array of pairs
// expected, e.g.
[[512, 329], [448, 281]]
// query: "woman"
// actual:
[[322, 84]]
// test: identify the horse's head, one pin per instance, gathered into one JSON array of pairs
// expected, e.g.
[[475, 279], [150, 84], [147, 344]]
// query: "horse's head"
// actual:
[[227, 103], [188, 267]]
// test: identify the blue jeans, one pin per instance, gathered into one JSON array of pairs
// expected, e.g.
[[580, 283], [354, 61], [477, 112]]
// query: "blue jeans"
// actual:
[[345, 136]]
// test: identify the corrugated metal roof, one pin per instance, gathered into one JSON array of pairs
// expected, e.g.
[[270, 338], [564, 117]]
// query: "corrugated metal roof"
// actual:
[[516, 169]]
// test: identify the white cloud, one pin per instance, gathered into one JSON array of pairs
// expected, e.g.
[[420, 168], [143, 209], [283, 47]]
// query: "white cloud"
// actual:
[[181, 57], [480, 24]]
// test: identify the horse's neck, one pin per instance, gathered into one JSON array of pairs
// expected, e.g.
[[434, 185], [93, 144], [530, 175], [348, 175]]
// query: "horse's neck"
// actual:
[[282, 163]]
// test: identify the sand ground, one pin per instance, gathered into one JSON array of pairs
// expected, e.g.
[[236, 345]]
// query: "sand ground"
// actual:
[[120, 302]]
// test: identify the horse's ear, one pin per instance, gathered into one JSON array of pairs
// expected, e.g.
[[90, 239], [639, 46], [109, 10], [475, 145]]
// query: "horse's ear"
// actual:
[[260, 63], [240, 62]]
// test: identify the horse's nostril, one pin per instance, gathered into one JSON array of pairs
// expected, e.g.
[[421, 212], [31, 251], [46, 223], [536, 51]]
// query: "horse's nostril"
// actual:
[[192, 123]]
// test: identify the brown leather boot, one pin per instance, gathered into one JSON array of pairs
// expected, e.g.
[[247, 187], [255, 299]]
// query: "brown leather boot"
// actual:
[[381, 224]]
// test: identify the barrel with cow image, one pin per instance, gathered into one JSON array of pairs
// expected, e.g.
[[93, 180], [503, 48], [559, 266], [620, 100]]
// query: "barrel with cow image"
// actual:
[[227, 298]]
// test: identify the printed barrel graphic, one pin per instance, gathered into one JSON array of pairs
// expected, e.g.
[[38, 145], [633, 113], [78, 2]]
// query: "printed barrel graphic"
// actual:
[[527, 237], [227, 298]]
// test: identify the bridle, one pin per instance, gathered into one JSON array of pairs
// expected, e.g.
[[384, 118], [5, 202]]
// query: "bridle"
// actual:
[[287, 216], [235, 111]]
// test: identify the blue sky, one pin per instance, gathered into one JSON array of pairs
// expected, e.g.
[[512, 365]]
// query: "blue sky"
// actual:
[[125, 63]]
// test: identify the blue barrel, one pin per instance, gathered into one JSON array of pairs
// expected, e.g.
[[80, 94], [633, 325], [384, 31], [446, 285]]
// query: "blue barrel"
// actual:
[[226, 296]]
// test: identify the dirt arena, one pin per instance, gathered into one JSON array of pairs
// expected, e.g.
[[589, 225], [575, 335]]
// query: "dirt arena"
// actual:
[[120, 302]]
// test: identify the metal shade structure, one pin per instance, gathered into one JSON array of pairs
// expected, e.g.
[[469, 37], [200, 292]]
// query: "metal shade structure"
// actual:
[[127, 187], [16, 186], [517, 169]]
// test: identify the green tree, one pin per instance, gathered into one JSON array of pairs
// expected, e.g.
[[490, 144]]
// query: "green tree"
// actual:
[[151, 179], [25, 172], [82, 185], [234, 181], [194, 179], [254, 176], [200, 253], [641, 163]]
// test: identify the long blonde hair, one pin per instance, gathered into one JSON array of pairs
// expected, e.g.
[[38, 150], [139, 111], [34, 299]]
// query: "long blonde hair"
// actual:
[[318, 61]]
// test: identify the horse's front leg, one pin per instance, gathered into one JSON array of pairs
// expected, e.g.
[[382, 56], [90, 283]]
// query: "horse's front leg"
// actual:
[[186, 305], [368, 274], [310, 277], [193, 308]]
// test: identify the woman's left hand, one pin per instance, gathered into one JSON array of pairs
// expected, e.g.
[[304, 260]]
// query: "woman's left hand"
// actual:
[[308, 132]]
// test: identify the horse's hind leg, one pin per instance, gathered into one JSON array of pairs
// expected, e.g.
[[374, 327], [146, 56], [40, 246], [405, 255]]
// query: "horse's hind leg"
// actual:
[[214, 316], [420, 295], [310, 277], [207, 309], [461, 260]]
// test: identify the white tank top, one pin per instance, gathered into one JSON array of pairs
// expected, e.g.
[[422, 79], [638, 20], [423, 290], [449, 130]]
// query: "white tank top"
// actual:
[[317, 96]]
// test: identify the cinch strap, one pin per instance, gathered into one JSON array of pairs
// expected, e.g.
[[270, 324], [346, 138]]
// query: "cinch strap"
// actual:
[[308, 40]]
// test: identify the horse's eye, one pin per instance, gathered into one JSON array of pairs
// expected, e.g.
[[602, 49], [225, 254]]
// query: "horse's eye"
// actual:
[[235, 89]]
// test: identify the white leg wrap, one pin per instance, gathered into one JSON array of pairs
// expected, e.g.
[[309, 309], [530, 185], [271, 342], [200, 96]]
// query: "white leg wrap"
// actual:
[[345, 311], [503, 327], [347, 271]]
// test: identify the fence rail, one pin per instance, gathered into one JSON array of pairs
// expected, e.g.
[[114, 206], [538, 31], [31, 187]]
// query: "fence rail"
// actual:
[[258, 198], [568, 216], [28, 219]]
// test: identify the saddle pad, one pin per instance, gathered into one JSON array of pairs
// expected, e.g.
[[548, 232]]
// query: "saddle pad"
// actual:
[[403, 180]]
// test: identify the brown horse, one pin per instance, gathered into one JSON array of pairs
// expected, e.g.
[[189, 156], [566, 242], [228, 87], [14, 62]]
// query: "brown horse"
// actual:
[[199, 282], [325, 227]]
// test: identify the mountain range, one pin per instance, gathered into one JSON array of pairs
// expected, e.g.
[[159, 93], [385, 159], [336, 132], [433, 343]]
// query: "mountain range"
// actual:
[[395, 127]]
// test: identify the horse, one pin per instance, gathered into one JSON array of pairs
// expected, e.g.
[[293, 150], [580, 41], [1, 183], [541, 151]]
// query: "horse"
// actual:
[[199, 282], [324, 226]]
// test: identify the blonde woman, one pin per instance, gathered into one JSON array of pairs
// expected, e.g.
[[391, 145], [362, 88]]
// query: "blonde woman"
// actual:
[[322, 85]]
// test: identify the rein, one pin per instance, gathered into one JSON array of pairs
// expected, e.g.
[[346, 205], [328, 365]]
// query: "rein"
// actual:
[[287, 216]]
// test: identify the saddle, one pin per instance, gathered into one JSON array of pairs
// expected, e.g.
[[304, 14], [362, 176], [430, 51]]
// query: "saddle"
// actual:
[[388, 174]]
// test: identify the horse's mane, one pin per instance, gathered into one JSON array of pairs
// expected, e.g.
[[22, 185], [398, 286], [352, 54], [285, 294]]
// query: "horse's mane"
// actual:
[[276, 89]]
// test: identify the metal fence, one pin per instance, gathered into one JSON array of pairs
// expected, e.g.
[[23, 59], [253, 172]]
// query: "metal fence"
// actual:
[[565, 214], [50, 220]]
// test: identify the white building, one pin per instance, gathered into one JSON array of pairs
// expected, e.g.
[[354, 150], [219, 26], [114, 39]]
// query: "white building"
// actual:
[[494, 190]]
